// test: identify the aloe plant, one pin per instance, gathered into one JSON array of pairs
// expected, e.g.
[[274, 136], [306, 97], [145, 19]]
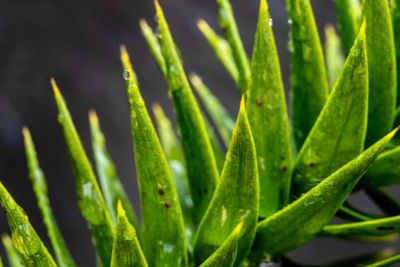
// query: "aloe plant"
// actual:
[[282, 179]]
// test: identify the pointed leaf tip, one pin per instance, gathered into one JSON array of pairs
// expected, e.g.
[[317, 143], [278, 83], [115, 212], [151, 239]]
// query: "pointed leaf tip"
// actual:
[[93, 118], [26, 133], [238, 227], [57, 93]]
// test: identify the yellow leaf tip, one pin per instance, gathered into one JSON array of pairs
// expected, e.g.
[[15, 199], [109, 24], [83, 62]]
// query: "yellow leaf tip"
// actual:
[[157, 110], [57, 93], [93, 118], [120, 208], [202, 24], [194, 78], [6, 240], [238, 227], [26, 133]]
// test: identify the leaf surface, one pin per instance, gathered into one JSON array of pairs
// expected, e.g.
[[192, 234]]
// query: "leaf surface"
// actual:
[[395, 8], [12, 254], [235, 199], [309, 82], [266, 109], [201, 165], [90, 200], [162, 222], [381, 69], [339, 132], [40, 188], [334, 55], [300, 221], [126, 248], [25, 239]]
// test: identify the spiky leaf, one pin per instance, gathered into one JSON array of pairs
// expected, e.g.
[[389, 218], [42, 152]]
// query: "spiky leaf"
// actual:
[[300, 221], [236, 197], [339, 132], [268, 119], [25, 239], [162, 223], [308, 79], [40, 188], [201, 165], [126, 249], [90, 199]]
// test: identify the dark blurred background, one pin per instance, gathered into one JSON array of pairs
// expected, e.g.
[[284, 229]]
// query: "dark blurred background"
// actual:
[[77, 43]]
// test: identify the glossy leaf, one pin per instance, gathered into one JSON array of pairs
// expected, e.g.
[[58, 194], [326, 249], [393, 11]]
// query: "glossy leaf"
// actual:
[[384, 171], [339, 132], [126, 249], [385, 262], [381, 69], [215, 109], [349, 20], [235, 199], [308, 79], [154, 45], [14, 260], [162, 223], [225, 255], [228, 24], [176, 162], [90, 199], [334, 55], [201, 165], [25, 239], [221, 47], [109, 181], [395, 8], [40, 188], [300, 221], [380, 227], [268, 119]]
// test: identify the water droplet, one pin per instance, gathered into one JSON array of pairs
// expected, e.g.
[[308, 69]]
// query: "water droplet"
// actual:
[[270, 22], [168, 248], [290, 21], [126, 74]]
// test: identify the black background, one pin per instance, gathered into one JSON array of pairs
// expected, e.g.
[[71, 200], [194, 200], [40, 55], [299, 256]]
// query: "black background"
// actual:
[[77, 43]]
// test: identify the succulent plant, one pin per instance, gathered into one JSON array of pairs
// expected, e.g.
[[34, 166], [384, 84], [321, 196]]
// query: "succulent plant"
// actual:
[[282, 179]]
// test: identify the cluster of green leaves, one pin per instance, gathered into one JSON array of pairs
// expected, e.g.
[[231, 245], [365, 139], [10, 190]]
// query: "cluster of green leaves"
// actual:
[[281, 181]]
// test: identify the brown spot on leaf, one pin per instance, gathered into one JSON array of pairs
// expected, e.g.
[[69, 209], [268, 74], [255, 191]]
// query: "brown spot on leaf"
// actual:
[[390, 67], [167, 204], [284, 168], [258, 102], [384, 228], [312, 164], [160, 192]]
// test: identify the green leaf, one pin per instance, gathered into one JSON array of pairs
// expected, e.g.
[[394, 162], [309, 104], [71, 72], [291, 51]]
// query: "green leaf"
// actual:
[[90, 199], [268, 119], [162, 223], [215, 109], [385, 201], [349, 19], [339, 132], [381, 69], [309, 82], [109, 181], [126, 249], [222, 49], [176, 162], [225, 255], [201, 165], [12, 254], [154, 45], [385, 262], [300, 221], [334, 55], [395, 5], [25, 239], [228, 24], [365, 259], [384, 171], [40, 188], [235, 199], [379, 227]]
